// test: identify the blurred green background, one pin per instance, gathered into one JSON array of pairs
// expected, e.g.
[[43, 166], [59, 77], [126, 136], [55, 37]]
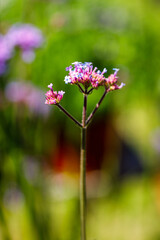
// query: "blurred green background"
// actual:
[[39, 147]]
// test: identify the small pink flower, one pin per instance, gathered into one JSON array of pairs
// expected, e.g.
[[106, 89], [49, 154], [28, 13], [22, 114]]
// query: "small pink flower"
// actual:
[[111, 79], [115, 87], [53, 97]]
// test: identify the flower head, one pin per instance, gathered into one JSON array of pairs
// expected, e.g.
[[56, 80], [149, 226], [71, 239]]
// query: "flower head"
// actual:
[[50, 86], [115, 87], [53, 97], [111, 81], [85, 74]]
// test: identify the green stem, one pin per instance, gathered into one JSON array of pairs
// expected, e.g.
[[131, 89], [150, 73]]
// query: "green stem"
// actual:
[[69, 115], [96, 108], [83, 171], [81, 89]]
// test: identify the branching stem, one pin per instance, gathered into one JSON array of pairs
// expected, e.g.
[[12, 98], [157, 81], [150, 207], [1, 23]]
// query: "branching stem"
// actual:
[[83, 127], [81, 89], [96, 108], [69, 115]]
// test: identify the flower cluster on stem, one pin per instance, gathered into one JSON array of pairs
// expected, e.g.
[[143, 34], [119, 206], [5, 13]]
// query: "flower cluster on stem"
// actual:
[[53, 97], [84, 74], [87, 79]]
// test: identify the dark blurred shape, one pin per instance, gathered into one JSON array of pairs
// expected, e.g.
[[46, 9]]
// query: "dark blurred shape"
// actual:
[[129, 163], [105, 151], [105, 147], [66, 156], [96, 138]]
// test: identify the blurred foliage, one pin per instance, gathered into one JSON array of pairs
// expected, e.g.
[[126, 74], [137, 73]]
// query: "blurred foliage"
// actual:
[[117, 33]]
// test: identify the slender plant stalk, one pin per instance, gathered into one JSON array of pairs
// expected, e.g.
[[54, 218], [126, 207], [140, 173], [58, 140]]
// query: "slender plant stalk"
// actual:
[[87, 79], [81, 89], [90, 91], [83, 171], [69, 115], [96, 108], [83, 127]]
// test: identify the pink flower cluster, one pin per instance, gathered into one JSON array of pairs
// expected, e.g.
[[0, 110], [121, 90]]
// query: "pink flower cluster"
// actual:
[[53, 97], [85, 74]]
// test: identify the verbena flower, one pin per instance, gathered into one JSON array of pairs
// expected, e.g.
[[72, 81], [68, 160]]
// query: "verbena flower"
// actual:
[[27, 37], [85, 74], [111, 81], [53, 97]]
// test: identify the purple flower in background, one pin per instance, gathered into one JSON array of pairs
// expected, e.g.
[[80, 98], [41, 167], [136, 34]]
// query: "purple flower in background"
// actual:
[[32, 97], [5, 53], [27, 37]]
